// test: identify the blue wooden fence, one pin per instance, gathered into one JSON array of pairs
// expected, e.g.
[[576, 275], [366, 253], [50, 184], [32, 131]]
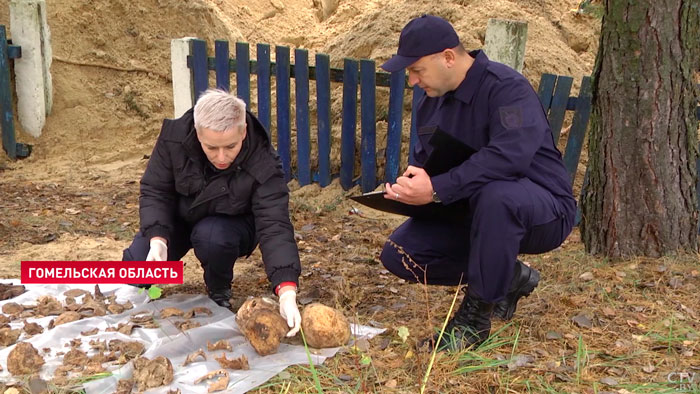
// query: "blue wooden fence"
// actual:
[[354, 73], [553, 92], [10, 145]]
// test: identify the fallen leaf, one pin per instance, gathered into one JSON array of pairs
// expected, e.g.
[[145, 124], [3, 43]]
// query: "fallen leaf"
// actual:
[[586, 276], [403, 333], [675, 282], [649, 368], [615, 371], [609, 381], [362, 344], [608, 312], [521, 360], [391, 383], [582, 321], [553, 335], [632, 323]]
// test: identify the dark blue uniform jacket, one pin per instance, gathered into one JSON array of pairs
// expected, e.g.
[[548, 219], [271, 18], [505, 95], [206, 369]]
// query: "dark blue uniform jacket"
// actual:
[[496, 112]]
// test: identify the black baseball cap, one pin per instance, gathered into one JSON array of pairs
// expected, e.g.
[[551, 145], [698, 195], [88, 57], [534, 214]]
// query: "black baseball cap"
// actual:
[[422, 36]]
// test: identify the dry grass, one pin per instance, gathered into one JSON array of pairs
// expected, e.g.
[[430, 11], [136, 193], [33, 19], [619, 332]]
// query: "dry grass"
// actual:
[[637, 328]]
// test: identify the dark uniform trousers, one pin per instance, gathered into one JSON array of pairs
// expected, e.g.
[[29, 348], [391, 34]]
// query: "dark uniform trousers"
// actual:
[[504, 218], [217, 242]]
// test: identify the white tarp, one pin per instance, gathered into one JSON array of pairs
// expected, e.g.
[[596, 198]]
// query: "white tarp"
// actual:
[[166, 340]]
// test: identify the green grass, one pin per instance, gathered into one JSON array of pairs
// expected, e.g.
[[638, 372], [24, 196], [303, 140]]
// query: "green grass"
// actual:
[[482, 357], [581, 358]]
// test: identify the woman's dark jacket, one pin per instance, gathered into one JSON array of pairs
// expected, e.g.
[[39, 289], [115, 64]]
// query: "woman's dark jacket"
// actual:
[[180, 184]]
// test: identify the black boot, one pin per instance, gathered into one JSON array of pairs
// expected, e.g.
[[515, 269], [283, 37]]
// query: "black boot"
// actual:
[[524, 282], [222, 297], [469, 327]]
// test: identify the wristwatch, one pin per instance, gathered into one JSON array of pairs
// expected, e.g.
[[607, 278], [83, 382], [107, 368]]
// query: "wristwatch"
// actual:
[[436, 198]]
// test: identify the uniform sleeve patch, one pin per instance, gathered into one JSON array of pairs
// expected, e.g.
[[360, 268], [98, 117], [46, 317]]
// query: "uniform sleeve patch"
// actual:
[[511, 117]]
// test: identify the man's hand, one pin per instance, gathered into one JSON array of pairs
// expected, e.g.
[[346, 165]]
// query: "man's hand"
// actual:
[[158, 251], [413, 187], [289, 310]]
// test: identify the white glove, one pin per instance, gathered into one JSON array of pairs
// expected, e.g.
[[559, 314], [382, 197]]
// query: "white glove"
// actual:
[[290, 311], [158, 251]]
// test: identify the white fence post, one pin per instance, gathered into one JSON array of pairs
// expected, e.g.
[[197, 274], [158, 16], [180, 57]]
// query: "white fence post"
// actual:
[[505, 42], [30, 31], [183, 98]]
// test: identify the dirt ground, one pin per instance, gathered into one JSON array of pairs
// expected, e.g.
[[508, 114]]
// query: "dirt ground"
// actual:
[[76, 196]]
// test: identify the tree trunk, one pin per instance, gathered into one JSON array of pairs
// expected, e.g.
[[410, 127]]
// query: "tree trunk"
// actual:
[[641, 197]]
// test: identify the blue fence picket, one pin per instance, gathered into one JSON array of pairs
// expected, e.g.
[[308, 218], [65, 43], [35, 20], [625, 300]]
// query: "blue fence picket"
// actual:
[[579, 124], [546, 89], [349, 127], [13, 148], [200, 71], [417, 94], [6, 118], [323, 98], [264, 96], [301, 75], [393, 138], [368, 164], [243, 72], [284, 138], [223, 76], [557, 109]]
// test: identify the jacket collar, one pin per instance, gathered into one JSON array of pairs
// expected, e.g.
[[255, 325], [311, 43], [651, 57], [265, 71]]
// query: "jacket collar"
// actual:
[[466, 90]]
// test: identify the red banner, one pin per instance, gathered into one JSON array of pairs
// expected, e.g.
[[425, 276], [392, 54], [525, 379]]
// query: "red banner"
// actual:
[[141, 272]]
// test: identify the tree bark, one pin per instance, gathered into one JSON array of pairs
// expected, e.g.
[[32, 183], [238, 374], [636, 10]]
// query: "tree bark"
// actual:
[[641, 197]]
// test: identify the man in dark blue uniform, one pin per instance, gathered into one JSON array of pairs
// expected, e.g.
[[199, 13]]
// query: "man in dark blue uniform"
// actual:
[[515, 187]]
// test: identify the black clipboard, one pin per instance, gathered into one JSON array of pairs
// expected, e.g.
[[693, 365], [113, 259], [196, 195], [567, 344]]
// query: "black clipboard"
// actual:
[[447, 152]]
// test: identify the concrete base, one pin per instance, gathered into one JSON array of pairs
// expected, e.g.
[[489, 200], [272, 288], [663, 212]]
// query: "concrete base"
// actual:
[[182, 75], [505, 42], [34, 88]]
